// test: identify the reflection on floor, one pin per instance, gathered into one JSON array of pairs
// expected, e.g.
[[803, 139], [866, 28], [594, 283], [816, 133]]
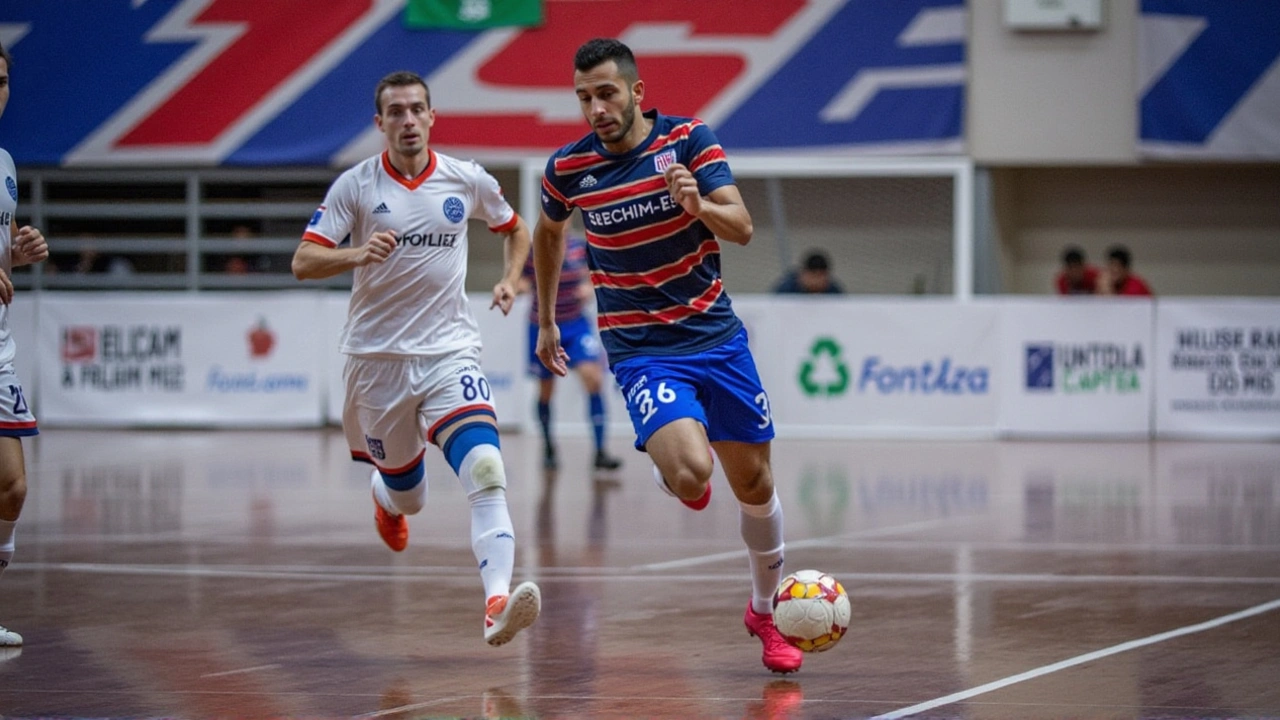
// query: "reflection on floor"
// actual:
[[220, 574]]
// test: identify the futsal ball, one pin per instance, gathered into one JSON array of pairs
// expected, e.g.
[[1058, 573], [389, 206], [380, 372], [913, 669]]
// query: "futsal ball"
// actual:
[[811, 610]]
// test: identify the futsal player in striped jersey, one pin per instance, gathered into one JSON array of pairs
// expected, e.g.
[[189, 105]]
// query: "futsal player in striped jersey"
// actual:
[[656, 196], [413, 347], [581, 343]]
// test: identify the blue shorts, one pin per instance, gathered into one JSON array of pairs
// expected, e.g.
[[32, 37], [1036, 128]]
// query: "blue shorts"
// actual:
[[719, 388], [576, 337]]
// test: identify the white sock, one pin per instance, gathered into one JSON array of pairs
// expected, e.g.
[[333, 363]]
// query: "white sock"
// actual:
[[400, 502], [761, 527], [493, 540], [6, 543]]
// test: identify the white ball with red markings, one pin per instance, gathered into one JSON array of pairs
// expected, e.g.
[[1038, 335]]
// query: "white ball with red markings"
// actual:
[[811, 610]]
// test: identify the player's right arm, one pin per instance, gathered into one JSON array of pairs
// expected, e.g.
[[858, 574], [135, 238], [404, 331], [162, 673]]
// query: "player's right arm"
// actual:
[[548, 255], [314, 261], [318, 255]]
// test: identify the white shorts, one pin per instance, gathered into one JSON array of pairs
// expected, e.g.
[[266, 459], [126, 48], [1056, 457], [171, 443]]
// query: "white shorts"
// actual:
[[16, 419], [394, 407]]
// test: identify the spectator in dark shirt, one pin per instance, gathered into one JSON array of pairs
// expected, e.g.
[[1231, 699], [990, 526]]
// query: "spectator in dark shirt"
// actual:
[[812, 277]]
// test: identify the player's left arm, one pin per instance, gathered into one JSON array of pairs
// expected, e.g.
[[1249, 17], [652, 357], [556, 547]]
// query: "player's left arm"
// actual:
[[515, 253], [722, 210], [29, 245]]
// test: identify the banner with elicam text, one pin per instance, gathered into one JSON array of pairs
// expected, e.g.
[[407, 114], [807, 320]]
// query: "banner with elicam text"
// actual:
[[119, 359]]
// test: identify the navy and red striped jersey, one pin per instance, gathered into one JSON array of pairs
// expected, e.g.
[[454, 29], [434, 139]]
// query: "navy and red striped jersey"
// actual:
[[573, 273], [655, 268]]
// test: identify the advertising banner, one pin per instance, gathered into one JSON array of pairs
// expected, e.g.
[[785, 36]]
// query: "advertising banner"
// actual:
[[120, 359], [883, 368], [1076, 367], [872, 76], [1218, 362], [1209, 79]]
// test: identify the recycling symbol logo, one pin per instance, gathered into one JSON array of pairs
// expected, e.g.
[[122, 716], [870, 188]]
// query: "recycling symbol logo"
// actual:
[[824, 373]]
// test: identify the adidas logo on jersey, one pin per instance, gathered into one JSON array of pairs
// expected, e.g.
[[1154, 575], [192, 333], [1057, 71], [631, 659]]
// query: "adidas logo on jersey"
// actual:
[[588, 181], [382, 208]]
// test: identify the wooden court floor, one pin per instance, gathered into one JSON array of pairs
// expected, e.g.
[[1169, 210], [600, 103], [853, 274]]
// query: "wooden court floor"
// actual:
[[237, 574]]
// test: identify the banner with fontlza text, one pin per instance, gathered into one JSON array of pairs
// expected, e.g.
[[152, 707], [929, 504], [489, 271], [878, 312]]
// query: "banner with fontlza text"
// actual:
[[180, 359], [877, 367]]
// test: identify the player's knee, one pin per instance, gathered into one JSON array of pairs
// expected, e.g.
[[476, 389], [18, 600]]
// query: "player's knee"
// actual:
[[13, 493], [482, 470], [690, 478], [755, 487], [410, 502]]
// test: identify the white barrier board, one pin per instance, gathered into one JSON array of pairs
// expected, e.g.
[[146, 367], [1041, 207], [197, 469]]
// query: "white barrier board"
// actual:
[[179, 359], [1076, 366], [875, 367], [1218, 362]]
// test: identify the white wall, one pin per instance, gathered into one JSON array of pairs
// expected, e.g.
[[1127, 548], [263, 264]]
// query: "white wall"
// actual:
[[1052, 97]]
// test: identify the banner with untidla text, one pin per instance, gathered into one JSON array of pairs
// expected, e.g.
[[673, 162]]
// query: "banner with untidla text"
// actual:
[[1218, 362], [121, 359], [1078, 366]]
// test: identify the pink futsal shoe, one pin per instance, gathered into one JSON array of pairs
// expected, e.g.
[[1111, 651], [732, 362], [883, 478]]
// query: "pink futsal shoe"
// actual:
[[698, 504], [779, 655]]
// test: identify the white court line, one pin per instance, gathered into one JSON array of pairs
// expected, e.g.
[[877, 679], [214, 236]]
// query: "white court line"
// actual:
[[415, 706], [1078, 660], [241, 671], [853, 579], [812, 542]]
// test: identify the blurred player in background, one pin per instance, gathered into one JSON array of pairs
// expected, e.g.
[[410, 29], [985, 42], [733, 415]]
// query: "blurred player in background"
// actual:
[[580, 342], [655, 192], [18, 246], [413, 346]]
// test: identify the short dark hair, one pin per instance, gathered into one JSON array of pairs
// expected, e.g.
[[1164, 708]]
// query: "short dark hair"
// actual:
[[400, 78], [4, 55], [600, 50], [1073, 255], [816, 261], [1120, 254]]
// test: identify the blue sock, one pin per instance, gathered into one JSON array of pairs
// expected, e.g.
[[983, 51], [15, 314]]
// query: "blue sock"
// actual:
[[544, 419], [597, 420]]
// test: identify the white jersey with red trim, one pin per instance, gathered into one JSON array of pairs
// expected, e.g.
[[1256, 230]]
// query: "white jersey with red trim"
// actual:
[[415, 302], [8, 208]]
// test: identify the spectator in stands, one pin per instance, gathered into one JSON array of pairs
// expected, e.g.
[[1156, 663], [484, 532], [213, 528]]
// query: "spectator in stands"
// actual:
[[1118, 278], [1077, 277], [812, 277], [245, 263], [91, 261]]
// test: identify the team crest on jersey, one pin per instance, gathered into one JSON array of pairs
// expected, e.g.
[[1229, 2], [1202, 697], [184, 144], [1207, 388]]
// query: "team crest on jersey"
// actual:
[[453, 209], [664, 160], [315, 219], [12, 186]]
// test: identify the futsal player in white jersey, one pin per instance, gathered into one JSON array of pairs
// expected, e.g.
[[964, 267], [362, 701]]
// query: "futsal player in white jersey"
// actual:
[[18, 246], [413, 347]]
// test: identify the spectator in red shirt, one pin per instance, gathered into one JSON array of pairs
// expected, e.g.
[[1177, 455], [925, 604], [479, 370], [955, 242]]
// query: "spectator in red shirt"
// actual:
[[1076, 277], [1118, 279]]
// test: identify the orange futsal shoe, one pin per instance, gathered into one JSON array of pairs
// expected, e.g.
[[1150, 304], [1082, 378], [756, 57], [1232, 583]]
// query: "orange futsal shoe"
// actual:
[[506, 615], [393, 529], [699, 504], [779, 655]]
